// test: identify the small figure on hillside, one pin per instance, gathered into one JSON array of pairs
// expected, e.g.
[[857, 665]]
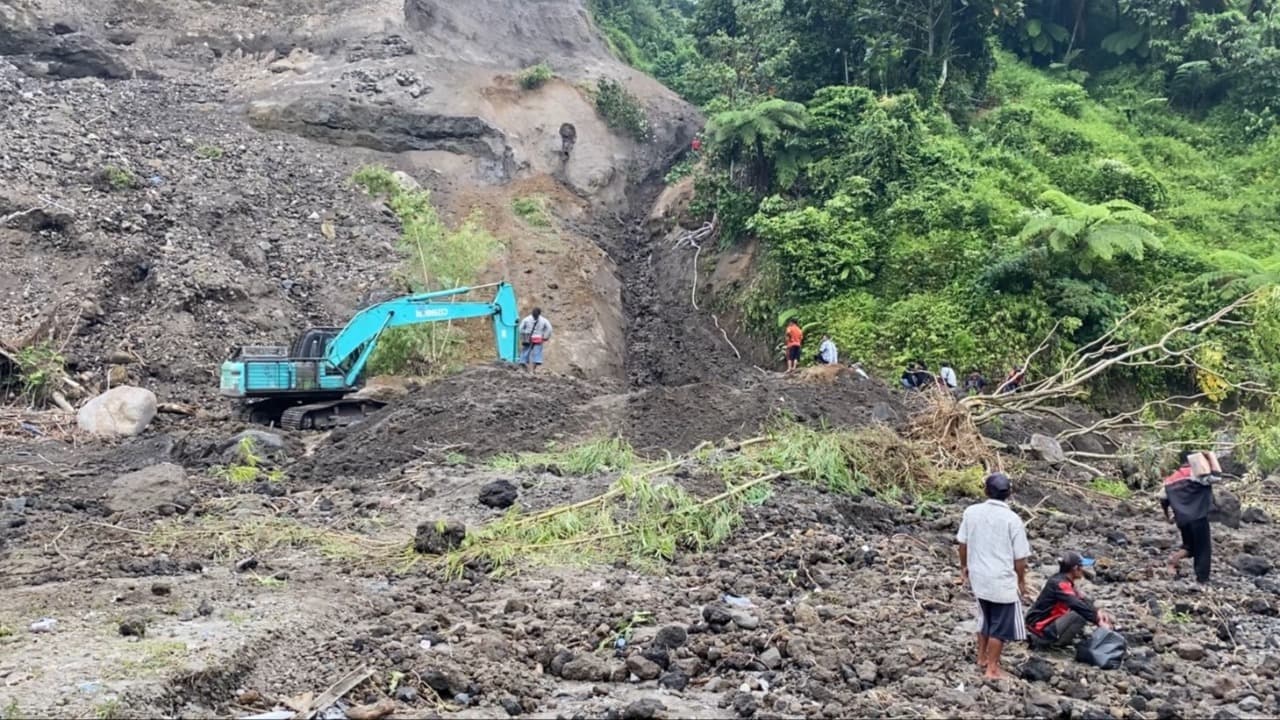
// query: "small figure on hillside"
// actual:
[[974, 382], [827, 353], [1188, 493], [696, 145], [568, 136], [1060, 613], [795, 338], [1013, 381], [924, 379], [947, 375], [993, 560], [909, 376], [535, 331]]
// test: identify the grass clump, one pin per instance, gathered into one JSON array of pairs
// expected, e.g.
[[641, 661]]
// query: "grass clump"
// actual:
[[588, 458], [1111, 488], [535, 76], [151, 657], [109, 710], [226, 538], [248, 467], [621, 110], [39, 368], [532, 210], [209, 152], [118, 178]]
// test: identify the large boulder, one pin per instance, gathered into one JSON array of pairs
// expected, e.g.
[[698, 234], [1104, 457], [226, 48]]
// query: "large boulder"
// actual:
[[1225, 509], [123, 411], [162, 487], [1047, 448]]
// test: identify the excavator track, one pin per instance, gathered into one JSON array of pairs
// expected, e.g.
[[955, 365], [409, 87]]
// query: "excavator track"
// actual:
[[327, 415]]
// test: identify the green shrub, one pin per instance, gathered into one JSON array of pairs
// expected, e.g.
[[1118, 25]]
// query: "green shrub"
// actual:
[[118, 178], [535, 76], [621, 110], [533, 210], [208, 152]]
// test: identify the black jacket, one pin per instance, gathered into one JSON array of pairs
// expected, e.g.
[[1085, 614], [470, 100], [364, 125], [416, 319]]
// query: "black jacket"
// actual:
[[1058, 597], [1189, 499]]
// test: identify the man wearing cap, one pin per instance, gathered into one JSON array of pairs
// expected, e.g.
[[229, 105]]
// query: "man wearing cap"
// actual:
[[993, 558], [1061, 612]]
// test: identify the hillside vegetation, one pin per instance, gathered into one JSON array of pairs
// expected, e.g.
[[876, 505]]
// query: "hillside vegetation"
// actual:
[[989, 170]]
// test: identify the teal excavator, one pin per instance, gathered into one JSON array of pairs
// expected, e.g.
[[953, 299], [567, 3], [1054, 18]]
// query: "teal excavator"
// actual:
[[310, 385]]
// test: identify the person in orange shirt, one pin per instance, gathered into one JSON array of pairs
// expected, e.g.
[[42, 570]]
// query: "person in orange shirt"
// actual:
[[795, 338]]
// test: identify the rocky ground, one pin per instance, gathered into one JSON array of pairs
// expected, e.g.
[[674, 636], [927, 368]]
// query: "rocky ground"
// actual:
[[175, 182]]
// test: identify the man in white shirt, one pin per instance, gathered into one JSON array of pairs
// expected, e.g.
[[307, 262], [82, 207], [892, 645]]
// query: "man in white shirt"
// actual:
[[993, 558], [535, 330], [948, 375], [827, 353]]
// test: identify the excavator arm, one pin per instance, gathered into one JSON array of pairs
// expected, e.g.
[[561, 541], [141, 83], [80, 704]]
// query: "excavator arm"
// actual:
[[351, 349]]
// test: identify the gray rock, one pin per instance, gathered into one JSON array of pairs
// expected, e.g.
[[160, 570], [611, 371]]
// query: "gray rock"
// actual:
[[1190, 651], [585, 668], [133, 627], [1255, 515], [671, 636], [643, 709], [717, 614], [439, 536], [885, 413], [676, 680], [498, 494], [1047, 448], [1225, 509], [123, 411], [1252, 564], [771, 658], [262, 440], [867, 672], [805, 615], [744, 619], [1250, 704], [642, 667], [158, 486]]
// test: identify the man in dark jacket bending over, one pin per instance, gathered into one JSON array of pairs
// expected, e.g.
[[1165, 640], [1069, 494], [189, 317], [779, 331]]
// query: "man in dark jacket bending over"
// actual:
[[1061, 612], [1188, 493]]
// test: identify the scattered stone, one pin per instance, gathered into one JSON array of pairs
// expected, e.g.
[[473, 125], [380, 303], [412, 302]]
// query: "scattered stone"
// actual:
[[1250, 704], [133, 627], [44, 625], [717, 615], [643, 709], [511, 706], [123, 411], [499, 494], [805, 615], [1190, 651], [161, 589], [1225, 509], [445, 682], [246, 564], [885, 413], [1252, 564], [675, 680], [1255, 515], [771, 658], [439, 536], [744, 619], [1037, 669], [406, 694], [743, 704], [671, 636], [642, 667], [515, 606], [151, 488], [1047, 448], [585, 668], [205, 609]]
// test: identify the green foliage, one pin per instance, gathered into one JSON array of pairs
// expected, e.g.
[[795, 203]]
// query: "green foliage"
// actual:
[[589, 458], [533, 210], [39, 368], [248, 467], [763, 136], [819, 251], [435, 258], [209, 152], [1259, 437], [1091, 235], [117, 178], [535, 76], [621, 110], [1111, 488]]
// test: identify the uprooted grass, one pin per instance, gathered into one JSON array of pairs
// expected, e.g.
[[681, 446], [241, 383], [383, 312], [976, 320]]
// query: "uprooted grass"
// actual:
[[226, 538], [645, 517], [601, 455]]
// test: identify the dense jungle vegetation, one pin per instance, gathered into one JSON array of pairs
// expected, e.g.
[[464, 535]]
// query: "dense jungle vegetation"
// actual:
[[949, 179]]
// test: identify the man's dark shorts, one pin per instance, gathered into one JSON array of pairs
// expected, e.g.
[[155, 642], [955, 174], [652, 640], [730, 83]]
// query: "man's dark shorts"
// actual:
[[793, 352], [1002, 621]]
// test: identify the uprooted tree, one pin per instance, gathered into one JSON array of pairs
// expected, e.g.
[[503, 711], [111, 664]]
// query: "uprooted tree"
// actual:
[[1186, 348]]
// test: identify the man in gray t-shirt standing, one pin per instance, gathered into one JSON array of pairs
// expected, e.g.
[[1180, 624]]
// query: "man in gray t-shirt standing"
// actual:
[[993, 559]]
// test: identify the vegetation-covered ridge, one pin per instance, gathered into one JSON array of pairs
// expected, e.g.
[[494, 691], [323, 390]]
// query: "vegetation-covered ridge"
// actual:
[[986, 171]]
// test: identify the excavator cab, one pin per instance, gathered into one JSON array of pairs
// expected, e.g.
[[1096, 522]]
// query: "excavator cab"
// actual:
[[314, 342]]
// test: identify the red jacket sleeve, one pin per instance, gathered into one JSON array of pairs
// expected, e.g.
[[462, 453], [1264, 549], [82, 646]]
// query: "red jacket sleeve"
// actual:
[[1068, 596]]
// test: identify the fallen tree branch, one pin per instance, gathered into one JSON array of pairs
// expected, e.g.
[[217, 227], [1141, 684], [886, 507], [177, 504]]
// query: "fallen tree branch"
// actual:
[[732, 347]]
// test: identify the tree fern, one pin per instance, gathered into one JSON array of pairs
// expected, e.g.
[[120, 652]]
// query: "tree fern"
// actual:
[[762, 132], [1090, 235]]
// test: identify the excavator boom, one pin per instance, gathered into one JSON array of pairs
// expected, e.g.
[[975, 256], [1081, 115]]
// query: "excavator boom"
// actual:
[[308, 385]]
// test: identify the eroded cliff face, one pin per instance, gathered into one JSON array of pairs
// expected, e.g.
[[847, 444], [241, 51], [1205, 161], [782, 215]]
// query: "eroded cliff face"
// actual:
[[292, 96]]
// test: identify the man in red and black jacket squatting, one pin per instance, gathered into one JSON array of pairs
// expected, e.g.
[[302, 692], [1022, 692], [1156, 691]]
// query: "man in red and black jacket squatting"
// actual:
[[1061, 612]]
